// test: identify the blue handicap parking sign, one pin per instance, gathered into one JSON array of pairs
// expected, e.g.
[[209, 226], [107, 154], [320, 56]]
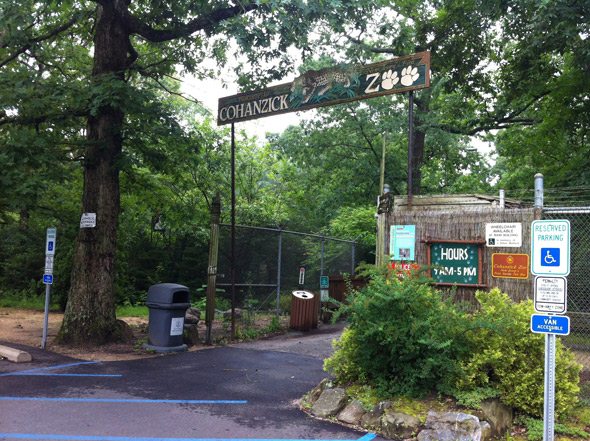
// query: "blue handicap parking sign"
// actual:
[[550, 257], [48, 279]]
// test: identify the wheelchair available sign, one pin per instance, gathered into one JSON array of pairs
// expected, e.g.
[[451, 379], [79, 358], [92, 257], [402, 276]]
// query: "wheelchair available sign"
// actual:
[[550, 247]]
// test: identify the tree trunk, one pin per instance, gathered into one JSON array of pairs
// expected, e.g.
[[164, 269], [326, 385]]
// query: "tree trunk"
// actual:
[[90, 311]]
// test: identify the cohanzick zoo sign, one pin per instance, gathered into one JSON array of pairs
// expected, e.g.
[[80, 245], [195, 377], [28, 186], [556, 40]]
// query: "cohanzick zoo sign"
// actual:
[[330, 86]]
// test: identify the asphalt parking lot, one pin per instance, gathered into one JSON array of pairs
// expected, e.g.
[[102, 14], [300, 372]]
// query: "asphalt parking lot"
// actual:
[[243, 392]]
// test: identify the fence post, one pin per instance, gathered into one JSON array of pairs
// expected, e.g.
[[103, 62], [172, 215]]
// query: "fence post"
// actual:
[[538, 195], [212, 268], [279, 260], [353, 252], [502, 199]]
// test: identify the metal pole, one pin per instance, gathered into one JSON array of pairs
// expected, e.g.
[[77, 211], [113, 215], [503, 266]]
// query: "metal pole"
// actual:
[[410, 148], [279, 261], [382, 169], [549, 374], [46, 316], [233, 231], [322, 259], [539, 190], [549, 395]]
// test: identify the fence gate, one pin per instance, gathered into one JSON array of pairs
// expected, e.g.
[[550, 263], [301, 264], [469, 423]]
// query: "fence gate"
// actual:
[[578, 281]]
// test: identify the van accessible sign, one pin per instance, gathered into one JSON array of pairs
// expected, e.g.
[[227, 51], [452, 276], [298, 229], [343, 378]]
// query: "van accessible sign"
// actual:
[[325, 87]]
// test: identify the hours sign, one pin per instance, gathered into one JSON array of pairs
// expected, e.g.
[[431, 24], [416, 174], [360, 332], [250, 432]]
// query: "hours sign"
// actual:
[[456, 263]]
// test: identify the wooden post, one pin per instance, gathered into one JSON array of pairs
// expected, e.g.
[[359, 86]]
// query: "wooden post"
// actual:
[[212, 268]]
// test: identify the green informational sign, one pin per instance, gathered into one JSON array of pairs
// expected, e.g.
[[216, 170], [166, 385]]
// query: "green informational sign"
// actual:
[[455, 263], [402, 244], [324, 282], [335, 85]]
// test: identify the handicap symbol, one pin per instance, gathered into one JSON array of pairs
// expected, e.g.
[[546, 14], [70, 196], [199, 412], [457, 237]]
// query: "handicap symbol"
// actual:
[[550, 256]]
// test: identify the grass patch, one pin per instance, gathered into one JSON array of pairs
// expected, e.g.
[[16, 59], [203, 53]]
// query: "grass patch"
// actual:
[[25, 300], [132, 311]]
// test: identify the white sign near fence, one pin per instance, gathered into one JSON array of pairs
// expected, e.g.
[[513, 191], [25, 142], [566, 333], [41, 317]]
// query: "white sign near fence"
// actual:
[[551, 294], [507, 235], [550, 244]]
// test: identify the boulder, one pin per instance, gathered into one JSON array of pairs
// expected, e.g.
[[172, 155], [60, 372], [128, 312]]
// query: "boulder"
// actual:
[[442, 435], [498, 415], [330, 402], [237, 312], [451, 426], [486, 431], [372, 419], [191, 335], [124, 331], [352, 413], [399, 425], [315, 393], [192, 316]]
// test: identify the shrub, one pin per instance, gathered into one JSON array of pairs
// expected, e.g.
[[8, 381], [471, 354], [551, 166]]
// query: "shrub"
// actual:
[[509, 358], [403, 338]]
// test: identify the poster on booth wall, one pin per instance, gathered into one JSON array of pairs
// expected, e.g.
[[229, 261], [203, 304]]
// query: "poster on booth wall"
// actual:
[[402, 242]]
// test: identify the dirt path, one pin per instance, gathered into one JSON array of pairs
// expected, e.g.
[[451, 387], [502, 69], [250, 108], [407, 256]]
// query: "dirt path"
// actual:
[[25, 327]]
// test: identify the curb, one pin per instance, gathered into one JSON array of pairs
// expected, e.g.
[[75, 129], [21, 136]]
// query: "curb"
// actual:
[[15, 355]]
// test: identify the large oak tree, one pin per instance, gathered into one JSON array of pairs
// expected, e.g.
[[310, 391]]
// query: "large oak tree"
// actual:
[[87, 62]]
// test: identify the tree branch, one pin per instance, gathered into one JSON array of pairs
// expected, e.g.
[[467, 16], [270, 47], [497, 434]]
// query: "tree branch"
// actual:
[[136, 26], [375, 50], [38, 119], [41, 38]]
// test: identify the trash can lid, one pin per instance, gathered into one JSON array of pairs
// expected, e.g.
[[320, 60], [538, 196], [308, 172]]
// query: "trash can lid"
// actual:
[[167, 293], [303, 294]]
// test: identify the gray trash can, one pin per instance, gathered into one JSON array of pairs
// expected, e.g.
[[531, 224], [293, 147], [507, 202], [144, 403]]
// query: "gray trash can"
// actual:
[[167, 303]]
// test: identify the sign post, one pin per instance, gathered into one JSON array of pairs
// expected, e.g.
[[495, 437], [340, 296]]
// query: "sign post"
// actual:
[[324, 285], [48, 278], [550, 257]]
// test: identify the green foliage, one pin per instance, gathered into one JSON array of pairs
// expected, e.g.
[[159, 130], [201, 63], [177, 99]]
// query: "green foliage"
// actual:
[[404, 338], [473, 398], [132, 311], [506, 356], [535, 429], [433, 345], [24, 300]]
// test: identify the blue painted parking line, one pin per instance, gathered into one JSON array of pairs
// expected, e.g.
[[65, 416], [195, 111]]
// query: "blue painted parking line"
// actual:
[[34, 436], [121, 400], [42, 372], [49, 374]]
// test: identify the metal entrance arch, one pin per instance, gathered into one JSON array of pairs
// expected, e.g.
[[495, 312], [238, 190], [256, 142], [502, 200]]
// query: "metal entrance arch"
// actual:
[[335, 85]]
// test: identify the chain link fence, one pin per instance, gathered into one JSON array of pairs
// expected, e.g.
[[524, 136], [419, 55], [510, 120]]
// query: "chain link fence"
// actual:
[[578, 281], [271, 263]]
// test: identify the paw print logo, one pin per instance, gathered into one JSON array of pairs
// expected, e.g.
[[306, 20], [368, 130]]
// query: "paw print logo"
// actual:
[[389, 79], [409, 75]]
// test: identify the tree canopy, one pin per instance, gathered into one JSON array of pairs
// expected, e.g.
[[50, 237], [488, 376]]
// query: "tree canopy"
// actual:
[[92, 120]]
